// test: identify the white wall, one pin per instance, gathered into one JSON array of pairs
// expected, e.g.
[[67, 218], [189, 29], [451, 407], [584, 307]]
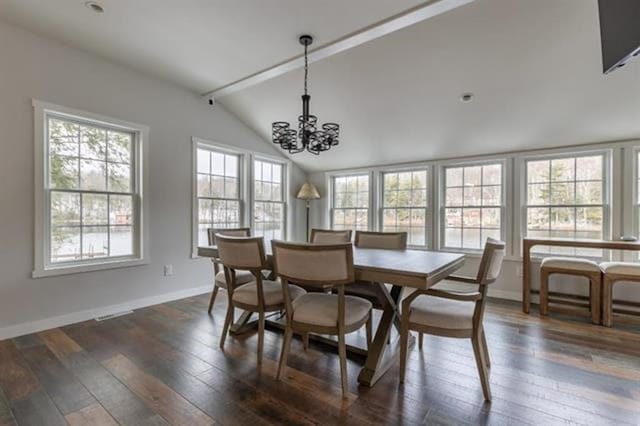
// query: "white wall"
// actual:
[[35, 67]]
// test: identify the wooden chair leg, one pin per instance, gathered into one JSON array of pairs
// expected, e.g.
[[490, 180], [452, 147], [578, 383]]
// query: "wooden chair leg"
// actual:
[[595, 299], [342, 352], [305, 341], [478, 352], [286, 344], [486, 348], [404, 344], [227, 323], [544, 292], [369, 327], [212, 300], [607, 302], [260, 335], [420, 340]]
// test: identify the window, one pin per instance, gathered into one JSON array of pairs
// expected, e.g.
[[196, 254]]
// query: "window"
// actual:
[[350, 205], [218, 182], [473, 200], [565, 197], [88, 184], [269, 195], [404, 204]]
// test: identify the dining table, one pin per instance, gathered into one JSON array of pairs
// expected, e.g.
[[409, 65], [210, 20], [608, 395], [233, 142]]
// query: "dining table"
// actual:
[[400, 269]]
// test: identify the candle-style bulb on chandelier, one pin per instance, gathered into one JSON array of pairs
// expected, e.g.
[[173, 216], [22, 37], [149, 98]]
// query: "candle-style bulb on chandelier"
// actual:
[[307, 137]]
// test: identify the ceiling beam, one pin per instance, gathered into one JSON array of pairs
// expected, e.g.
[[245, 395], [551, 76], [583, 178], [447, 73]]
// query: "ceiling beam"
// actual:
[[397, 22]]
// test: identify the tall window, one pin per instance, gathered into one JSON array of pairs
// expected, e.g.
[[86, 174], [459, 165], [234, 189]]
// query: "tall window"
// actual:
[[268, 195], [565, 198], [218, 181], [473, 205], [350, 208], [404, 204], [91, 191]]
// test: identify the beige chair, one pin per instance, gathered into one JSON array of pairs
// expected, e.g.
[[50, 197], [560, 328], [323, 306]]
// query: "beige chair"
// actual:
[[374, 292], [454, 314], [259, 295], [575, 267], [324, 266], [330, 236], [219, 280], [614, 272]]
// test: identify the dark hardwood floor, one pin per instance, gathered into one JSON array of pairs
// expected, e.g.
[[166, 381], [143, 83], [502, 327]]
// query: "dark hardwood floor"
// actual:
[[162, 365]]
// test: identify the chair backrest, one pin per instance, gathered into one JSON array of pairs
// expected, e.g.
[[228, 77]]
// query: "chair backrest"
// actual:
[[229, 232], [491, 263], [381, 240], [241, 252], [330, 236], [325, 265]]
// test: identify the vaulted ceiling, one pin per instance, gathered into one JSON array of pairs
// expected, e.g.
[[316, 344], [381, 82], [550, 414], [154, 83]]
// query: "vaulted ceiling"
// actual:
[[533, 65]]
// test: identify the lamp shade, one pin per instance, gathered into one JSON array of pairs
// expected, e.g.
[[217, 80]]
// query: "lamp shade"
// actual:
[[308, 192]]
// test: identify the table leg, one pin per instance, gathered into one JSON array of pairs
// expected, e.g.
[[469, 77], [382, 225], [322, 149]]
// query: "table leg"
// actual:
[[377, 364], [243, 324]]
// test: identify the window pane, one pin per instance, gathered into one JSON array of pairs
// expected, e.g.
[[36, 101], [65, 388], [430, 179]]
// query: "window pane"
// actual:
[[277, 173], [491, 195], [419, 180], [65, 244], [93, 143], [63, 129], [492, 174], [562, 169], [390, 182], [217, 186], [589, 192], [120, 210], [95, 242], [419, 198], [65, 209], [217, 163], [205, 211], [454, 197], [404, 199], [563, 193], [93, 175], [63, 172], [473, 176], [491, 218], [471, 218], [204, 185], [472, 196], [204, 161], [231, 165], [119, 147], [95, 209], [538, 194], [119, 177], [404, 181], [120, 240], [230, 188], [538, 171], [453, 237], [538, 219], [471, 238], [589, 168], [453, 218], [454, 176]]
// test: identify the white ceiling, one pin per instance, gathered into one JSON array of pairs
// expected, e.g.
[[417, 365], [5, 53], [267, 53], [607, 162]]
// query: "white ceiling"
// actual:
[[199, 44], [534, 66]]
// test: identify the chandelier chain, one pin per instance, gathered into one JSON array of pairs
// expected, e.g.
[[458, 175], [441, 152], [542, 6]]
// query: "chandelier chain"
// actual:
[[306, 69]]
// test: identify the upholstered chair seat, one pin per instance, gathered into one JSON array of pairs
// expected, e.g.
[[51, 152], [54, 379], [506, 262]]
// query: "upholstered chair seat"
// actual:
[[242, 277], [570, 263], [623, 268], [322, 309], [615, 272], [442, 313], [247, 294]]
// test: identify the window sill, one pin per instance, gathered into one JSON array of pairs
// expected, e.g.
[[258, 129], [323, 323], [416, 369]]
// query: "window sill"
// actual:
[[53, 271]]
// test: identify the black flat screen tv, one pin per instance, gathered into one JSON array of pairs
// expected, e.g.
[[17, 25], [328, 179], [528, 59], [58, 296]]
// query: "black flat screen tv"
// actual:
[[619, 32]]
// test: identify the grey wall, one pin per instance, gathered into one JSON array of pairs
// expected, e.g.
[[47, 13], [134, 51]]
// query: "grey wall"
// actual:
[[35, 67]]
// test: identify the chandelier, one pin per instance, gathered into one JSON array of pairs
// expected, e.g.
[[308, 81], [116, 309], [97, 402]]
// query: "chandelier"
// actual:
[[307, 137]]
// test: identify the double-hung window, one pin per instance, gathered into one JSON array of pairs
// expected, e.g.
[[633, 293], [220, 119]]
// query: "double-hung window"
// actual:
[[218, 177], [350, 203], [473, 205], [269, 206], [566, 197], [89, 191], [404, 204]]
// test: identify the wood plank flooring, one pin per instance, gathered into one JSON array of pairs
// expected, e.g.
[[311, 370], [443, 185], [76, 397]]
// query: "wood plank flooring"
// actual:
[[162, 365]]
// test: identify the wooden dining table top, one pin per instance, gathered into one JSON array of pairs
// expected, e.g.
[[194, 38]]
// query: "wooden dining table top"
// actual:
[[411, 268]]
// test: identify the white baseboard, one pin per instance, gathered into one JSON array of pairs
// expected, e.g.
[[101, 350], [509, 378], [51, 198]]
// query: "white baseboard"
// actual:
[[62, 320]]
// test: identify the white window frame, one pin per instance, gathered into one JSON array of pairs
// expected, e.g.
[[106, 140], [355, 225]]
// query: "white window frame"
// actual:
[[371, 209], [286, 193], [198, 143], [429, 220], [42, 265], [505, 162], [609, 179]]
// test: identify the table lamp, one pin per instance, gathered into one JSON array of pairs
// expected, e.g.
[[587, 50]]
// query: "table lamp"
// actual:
[[307, 193]]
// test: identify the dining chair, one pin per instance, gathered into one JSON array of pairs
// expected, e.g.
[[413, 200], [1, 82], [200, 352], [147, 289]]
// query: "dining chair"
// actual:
[[454, 314], [381, 240], [219, 280], [330, 236], [258, 295], [323, 266]]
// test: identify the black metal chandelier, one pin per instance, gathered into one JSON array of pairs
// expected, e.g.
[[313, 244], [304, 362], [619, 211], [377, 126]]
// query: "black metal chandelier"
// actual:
[[308, 137]]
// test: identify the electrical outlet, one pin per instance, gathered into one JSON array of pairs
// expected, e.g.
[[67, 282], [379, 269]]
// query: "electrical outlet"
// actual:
[[168, 270]]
